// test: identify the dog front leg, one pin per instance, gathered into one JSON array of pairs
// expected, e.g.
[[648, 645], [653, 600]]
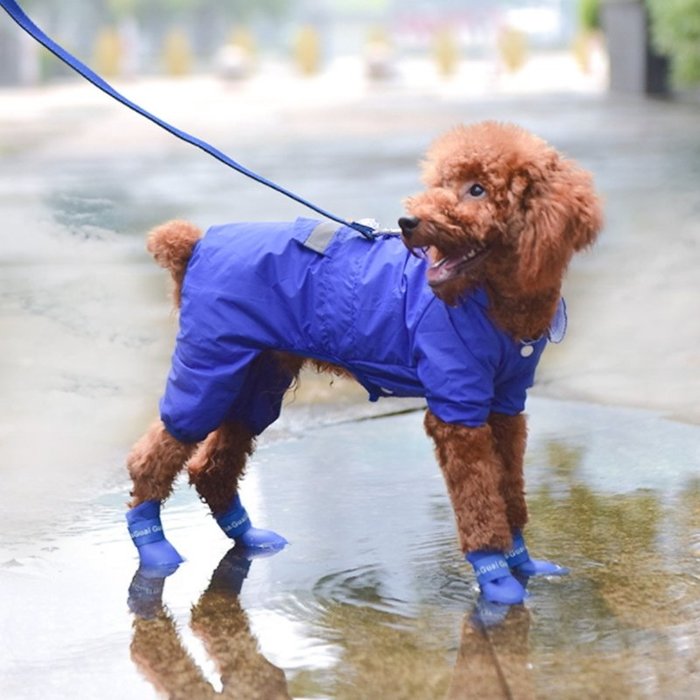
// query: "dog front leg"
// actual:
[[509, 440], [473, 474]]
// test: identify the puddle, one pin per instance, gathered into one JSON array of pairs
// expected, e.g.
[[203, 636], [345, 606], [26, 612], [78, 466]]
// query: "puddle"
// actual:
[[371, 596]]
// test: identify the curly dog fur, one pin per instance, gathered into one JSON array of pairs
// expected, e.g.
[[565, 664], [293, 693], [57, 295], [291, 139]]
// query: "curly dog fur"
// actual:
[[501, 211]]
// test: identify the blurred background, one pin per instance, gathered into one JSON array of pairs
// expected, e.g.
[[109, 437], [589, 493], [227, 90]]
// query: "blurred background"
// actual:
[[238, 38], [380, 39], [338, 100]]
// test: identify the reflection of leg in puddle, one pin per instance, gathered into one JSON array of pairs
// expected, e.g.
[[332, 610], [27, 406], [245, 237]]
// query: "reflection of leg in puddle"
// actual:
[[493, 657], [220, 622]]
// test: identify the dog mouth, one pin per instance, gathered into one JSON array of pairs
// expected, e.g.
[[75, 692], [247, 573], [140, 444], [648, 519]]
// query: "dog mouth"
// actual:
[[449, 267]]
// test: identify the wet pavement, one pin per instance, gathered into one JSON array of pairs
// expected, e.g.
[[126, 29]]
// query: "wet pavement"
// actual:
[[371, 599]]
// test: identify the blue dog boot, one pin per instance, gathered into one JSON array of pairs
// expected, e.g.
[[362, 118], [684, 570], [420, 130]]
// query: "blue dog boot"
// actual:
[[497, 584], [519, 561], [236, 524], [155, 552]]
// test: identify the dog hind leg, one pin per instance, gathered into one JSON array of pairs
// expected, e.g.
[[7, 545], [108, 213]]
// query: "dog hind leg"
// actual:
[[153, 463], [215, 470], [218, 465]]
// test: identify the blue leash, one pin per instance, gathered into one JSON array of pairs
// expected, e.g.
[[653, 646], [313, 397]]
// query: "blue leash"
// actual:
[[18, 15]]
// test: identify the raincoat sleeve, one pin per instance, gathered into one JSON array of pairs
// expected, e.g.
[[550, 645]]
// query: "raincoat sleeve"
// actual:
[[458, 383], [207, 372], [511, 392]]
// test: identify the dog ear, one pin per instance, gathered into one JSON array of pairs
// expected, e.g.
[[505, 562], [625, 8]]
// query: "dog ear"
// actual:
[[563, 215]]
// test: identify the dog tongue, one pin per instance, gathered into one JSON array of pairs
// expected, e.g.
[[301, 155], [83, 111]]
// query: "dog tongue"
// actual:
[[442, 271]]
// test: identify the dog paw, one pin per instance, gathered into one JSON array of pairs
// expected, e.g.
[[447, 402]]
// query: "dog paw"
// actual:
[[260, 542], [159, 556], [540, 567], [521, 564], [146, 531], [496, 582], [506, 591]]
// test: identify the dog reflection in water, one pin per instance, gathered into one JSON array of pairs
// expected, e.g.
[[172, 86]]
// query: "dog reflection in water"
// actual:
[[493, 658], [493, 650], [219, 621]]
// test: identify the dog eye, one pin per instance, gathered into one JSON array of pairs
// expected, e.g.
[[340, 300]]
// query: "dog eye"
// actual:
[[476, 191]]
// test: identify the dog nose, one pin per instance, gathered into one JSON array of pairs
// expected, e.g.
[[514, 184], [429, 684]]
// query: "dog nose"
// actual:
[[408, 225]]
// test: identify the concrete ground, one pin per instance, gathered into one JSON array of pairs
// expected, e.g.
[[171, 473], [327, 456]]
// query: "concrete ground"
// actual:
[[372, 598]]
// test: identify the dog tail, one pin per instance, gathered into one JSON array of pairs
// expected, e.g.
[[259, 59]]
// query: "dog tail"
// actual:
[[171, 245]]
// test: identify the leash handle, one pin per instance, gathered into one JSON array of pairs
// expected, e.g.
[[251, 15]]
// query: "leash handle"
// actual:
[[19, 16]]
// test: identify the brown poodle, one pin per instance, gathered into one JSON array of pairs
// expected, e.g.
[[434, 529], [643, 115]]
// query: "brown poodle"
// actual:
[[457, 309]]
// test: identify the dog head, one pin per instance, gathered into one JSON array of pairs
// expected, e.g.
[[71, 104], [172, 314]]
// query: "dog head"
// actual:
[[501, 208]]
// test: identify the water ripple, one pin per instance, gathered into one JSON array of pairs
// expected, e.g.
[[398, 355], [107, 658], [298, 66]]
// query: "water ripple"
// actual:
[[364, 586]]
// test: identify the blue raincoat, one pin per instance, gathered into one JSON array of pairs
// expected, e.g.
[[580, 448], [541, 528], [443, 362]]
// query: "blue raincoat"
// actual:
[[364, 305]]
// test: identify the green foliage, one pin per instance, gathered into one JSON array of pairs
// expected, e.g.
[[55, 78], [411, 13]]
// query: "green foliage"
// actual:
[[589, 15], [675, 29]]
